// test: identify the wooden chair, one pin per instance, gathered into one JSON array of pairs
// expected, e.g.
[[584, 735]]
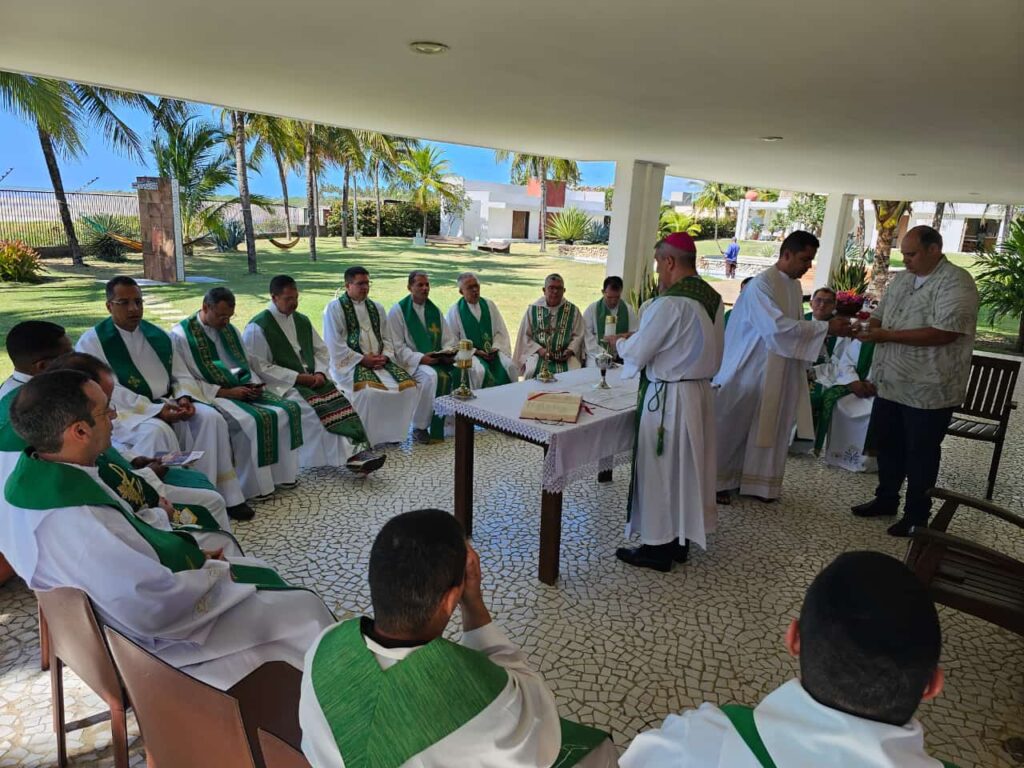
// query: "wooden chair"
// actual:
[[75, 640], [968, 576], [279, 754], [985, 412]]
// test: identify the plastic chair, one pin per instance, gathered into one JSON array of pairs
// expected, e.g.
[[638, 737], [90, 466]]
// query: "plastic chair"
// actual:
[[74, 640], [279, 754]]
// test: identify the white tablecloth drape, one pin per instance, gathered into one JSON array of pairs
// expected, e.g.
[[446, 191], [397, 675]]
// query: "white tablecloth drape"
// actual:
[[600, 438]]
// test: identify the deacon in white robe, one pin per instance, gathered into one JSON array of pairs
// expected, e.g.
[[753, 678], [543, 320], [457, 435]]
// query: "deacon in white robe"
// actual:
[[363, 362], [762, 384], [155, 412], [255, 480], [605, 318], [844, 444], [320, 447], [491, 330], [552, 327], [410, 357]]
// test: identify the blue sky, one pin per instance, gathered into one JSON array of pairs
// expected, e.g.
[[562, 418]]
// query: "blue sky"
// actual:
[[102, 169]]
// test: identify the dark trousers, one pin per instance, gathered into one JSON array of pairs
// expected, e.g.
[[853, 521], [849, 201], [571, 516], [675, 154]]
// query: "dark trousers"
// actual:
[[908, 442], [730, 269]]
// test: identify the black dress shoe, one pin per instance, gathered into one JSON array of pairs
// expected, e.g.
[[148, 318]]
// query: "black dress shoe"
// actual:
[[874, 508], [724, 498], [287, 486], [241, 512], [681, 552], [646, 556], [366, 462], [421, 436], [902, 527]]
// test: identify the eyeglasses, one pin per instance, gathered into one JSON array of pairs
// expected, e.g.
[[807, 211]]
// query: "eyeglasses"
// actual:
[[128, 302], [361, 283]]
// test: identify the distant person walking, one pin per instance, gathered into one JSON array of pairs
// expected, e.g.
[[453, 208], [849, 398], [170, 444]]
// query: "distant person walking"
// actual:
[[732, 257]]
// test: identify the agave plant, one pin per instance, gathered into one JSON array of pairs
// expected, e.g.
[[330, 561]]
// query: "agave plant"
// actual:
[[569, 225], [1001, 280]]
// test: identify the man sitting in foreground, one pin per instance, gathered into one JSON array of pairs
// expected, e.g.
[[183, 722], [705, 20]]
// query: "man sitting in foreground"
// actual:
[[440, 704], [61, 525], [868, 640]]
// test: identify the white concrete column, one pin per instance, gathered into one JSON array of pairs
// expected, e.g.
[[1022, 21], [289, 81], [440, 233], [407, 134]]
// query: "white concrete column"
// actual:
[[837, 225], [635, 208]]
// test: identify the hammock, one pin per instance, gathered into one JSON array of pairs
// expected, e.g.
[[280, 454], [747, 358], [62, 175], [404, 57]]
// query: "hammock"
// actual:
[[129, 243], [285, 246]]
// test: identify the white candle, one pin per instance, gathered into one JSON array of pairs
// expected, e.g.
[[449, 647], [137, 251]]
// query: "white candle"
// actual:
[[609, 325]]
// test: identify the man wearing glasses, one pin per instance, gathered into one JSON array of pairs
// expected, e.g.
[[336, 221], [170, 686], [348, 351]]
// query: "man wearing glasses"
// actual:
[[154, 412]]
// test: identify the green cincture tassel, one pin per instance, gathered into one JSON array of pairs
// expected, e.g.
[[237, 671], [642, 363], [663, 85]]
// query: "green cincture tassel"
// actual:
[[661, 440]]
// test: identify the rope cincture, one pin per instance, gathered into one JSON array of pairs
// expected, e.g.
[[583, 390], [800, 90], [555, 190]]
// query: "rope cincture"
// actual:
[[656, 403]]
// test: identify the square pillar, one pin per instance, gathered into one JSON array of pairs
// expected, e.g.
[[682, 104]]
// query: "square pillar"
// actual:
[[838, 223], [636, 205]]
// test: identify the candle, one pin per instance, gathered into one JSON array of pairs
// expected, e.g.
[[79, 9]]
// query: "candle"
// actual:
[[609, 325]]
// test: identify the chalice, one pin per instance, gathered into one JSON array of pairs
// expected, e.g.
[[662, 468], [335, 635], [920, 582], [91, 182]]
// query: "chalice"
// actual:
[[464, 361], [603, 360]]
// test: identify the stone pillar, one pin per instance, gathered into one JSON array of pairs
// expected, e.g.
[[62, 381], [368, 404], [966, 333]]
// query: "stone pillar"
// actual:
[[636, 205], [838, 223], [157, 223]]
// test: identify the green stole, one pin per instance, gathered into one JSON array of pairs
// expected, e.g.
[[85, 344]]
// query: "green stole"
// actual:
[[121, 361], [601, 312], [828, 398], [332, 408], [42, 485], [556, 336], [382, 718], [692, 287], [362, 376], [10, 441], [213, 369], [428, 339], [742, 719], [481, 334]]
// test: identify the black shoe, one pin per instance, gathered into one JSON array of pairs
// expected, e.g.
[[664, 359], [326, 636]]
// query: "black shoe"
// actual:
[[902, 527], [874, 508], [646, 556], [724, 498], [287, 486], [681, 552], [366, 462], [421, 436], [241, 512]]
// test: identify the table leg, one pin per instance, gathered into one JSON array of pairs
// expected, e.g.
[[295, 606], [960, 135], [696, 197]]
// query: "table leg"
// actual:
[[550, 536], [464, 473]]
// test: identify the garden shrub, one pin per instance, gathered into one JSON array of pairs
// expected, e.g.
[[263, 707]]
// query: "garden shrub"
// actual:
[[396, 219], [19, 263], [96, 241]]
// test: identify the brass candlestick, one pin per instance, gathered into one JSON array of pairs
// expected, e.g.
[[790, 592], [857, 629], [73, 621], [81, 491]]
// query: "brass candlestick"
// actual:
[[464, 361]]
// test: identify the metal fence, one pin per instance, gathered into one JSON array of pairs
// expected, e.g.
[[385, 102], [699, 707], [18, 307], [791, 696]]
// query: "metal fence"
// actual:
[[33, 216]]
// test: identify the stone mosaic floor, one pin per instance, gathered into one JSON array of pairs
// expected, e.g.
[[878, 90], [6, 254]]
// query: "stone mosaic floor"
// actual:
[[621, 648]]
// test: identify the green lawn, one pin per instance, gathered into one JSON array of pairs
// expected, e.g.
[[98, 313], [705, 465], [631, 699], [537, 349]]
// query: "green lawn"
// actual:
[[74, 297]]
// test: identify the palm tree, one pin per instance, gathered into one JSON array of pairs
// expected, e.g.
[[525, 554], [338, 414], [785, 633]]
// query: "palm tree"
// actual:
[[238, 139], [940, 209], [309, 147], [887, 215], [58, 109], [713, 197], [670, 220], [384, 158], [525, 167], [1001, 279], [422, 172], [282, 138]]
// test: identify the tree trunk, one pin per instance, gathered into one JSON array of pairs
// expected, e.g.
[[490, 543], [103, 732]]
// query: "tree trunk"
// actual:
[[887, 215], [376, 189], [46, 143], [355, 205], [344, 207], [859, 233], [940, 209], [543, 208], [1019, 346], [284, 190], [424, 222], [238, 122], [311, 217], [1004, 229]]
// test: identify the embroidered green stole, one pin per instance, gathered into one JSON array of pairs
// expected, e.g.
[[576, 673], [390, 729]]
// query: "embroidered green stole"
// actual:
[[552, 333], [362, 376], [121, 360], [429, 339], [481, 334], [335, 412], [830, 397], [601, 313], [10, 441], [215, 371], [40, 485], [692, 287], [381, 718]]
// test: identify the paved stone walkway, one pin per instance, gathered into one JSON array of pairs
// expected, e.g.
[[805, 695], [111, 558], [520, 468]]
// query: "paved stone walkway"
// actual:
[[621, 648]]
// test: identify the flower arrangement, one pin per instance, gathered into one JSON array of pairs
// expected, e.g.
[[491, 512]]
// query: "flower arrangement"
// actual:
[[849, 303]]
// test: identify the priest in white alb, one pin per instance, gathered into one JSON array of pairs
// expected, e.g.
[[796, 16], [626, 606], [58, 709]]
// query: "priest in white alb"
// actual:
[[607, 318], [61, 525], [478, 319], [155, 410], [266, 430], [847, 395], [676, 352], [363, 364], [551, 333], [762, 384], [293, 361]]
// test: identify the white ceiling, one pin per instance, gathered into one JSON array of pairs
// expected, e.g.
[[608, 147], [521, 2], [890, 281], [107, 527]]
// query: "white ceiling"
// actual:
[[862, 90]]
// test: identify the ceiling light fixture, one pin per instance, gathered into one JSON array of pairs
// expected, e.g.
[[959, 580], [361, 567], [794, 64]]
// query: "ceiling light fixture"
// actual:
[[771, 138], [908, 174], [428, 48]]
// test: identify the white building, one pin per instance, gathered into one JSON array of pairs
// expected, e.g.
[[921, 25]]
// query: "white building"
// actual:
[[512, 211]]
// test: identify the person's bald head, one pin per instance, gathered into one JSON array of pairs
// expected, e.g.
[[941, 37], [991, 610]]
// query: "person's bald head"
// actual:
[[672, 263], [922, 250]]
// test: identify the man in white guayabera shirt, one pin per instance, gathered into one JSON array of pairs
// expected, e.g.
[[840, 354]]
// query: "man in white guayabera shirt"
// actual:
[[868, 642]]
